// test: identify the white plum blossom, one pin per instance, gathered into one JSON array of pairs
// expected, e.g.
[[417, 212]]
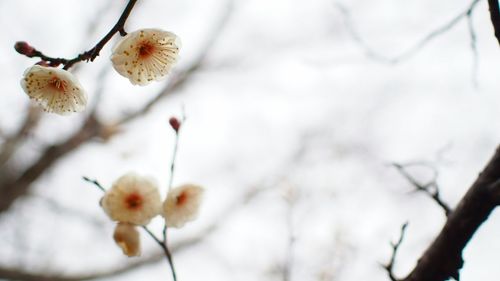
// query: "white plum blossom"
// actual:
[[56, 90], [132, 199], [146, 55], [182, 205], [127, 238]]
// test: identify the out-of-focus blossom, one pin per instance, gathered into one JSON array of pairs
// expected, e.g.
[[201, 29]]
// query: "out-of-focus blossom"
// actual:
[[146, 55], [182, 205], [127, 238], [132, 199], [56, 90]]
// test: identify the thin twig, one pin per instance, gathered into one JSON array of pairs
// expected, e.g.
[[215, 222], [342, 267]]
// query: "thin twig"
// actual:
[[417, 46], [160, 243], [172, 163], [176, 127], [443, 258], [473, 47], [174, 152], [91, 54], [395, 247], [165, 249], [431, 188], [96, 183]]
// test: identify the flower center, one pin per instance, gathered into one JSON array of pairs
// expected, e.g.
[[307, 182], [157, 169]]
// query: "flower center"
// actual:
[[146, 49], [181, 198], [133, 201], [57, 84]]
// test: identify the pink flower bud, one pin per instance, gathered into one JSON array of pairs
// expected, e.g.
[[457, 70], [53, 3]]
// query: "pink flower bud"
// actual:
[[24, 49], [175, 123]]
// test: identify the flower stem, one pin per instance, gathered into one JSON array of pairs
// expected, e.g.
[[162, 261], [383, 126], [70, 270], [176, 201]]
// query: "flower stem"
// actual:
[[162, 244]]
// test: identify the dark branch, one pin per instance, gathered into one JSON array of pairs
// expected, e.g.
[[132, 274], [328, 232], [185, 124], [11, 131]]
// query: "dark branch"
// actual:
[[89, 55], [389, 267], [431, 188], [495, 17], [96, 183], [443, 258]]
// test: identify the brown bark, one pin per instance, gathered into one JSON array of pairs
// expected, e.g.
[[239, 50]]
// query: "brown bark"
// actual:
[[495, 17], [443, 258]]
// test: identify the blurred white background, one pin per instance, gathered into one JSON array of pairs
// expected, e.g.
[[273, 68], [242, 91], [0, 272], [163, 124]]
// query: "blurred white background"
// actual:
[[288, 102]]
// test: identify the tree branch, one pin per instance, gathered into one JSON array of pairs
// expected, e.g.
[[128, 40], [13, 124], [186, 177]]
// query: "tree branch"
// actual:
[[90, 55], [443, 258], [495, 17], [431, 188], [12, 143], [17, 187], [417, 46], [389, 267]]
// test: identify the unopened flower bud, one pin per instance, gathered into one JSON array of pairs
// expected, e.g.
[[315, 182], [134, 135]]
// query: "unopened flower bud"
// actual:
[[24, 49], [175, 124], [127, 238]]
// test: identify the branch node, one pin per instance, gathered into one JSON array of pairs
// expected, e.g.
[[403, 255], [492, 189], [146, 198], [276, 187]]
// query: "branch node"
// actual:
[[431, 188]]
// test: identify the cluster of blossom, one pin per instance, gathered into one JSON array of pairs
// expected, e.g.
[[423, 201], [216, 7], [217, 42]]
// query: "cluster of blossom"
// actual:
[[134, 200], [142, 56]]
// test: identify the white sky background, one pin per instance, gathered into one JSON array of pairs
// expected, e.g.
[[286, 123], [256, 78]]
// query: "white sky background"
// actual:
[[285, 100]]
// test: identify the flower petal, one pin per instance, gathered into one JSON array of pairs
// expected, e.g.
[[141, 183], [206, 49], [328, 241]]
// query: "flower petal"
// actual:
[[146, 55], [55, 90]]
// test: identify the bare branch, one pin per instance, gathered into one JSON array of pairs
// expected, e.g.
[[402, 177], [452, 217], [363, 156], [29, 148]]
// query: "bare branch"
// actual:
[[25, 49], [495, 17], [431, 188], [62, 210], [16, 187], [389, 267], [443, 258], [415, 48], [12, 143]]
